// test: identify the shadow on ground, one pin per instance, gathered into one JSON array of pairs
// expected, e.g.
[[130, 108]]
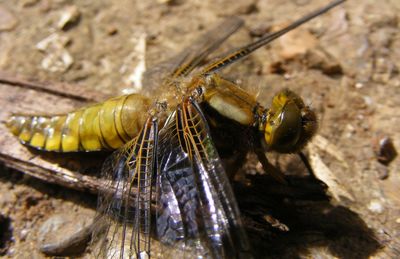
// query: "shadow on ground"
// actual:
[[302, 206], [313, 222]]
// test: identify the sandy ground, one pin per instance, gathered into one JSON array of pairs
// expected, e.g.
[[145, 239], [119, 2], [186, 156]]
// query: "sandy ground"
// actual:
[[345, 64]]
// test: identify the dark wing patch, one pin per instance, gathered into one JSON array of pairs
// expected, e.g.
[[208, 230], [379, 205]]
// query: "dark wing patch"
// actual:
[[197, 211], [177, 198]]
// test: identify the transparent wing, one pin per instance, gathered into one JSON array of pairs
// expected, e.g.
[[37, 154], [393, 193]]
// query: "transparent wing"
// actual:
[[197, 215], [184, 62], [246, 50], [123, 222], [196, 212]]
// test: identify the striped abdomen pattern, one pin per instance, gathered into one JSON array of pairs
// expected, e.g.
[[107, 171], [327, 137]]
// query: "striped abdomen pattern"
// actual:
[[106, 125]]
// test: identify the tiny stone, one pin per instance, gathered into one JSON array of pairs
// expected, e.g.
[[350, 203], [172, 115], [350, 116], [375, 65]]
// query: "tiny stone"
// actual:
[[276, 223], [50, 225], [11, 252], [60, 227], [247, 8], [260, 30], [384, 149], [29, 3], [375, 206], [112, 30], [69, 17], [23, 234], [297, 43], [359, 85], [170, 2], [7, 20]]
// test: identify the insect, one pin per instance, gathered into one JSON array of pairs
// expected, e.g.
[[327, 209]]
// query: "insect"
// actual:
[[166, 177]]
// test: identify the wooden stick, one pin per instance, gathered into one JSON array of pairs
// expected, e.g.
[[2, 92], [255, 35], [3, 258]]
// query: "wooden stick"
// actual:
[[59, 89]]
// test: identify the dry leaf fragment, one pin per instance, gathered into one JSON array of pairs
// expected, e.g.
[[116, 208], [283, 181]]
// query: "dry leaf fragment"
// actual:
[[323, 173], [323, 144]]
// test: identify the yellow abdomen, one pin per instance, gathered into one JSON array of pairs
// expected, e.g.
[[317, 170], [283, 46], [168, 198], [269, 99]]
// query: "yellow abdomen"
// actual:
[[107, 125]]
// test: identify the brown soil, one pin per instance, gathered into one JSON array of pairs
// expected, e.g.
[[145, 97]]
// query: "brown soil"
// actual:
[[345, 64]]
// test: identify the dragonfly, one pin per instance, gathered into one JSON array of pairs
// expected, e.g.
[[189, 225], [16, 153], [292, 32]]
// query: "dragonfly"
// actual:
[[165, 178]]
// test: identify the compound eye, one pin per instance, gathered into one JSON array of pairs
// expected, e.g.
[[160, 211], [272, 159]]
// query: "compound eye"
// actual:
[[283, 130]]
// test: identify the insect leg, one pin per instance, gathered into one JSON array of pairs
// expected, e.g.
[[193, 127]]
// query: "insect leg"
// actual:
[[306, 163], [269, 168]]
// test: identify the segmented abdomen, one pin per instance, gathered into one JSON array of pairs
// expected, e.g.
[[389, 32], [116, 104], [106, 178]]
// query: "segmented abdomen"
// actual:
[[106, 125]]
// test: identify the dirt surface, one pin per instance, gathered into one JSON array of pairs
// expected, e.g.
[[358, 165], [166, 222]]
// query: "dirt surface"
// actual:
[[345, 64]]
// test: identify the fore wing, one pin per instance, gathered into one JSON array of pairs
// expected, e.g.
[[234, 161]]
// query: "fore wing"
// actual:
[[197, 213], [124, 210], [184, 62]]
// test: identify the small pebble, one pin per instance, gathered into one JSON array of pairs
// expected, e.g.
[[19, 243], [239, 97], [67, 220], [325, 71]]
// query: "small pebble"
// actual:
[[384, 149], [276, 223], [29, 3], [51, 225], [69, 17], [296, 43], [375, 206], [57, 58], [112, 30], [260, 30], [170, 2], [23, 234], [359, 85], [7, 20], [247, 8]]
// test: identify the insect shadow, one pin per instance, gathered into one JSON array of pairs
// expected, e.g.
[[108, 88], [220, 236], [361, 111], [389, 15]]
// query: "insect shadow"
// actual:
[[303, 216]]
